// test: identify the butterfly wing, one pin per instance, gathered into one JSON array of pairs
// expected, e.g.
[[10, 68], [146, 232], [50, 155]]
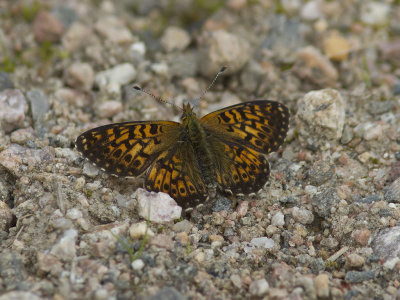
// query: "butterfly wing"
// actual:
[[175, 171], [260, 125], [128, 149], [242, 134]]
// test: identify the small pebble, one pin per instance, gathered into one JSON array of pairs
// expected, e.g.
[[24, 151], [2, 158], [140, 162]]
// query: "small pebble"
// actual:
[[386, 243], [5, 81], [259, 287], [64, 249], [76, 37], [358, 277], [321, 116], [321, 283], [361, 236], [353, 260], [109, 109], [90, 170], [21, 136], [242, 209], [302, 215], [183, 226], [324, 201], [313, 66], [321, 171], [47, 28], [262, 242], [13, 108], [182, 237], [392, 193], [137, 264], [278, 219], [157, 207], [162, 241], [6, 216], [175, 38], [112, 79], [138, 230], [219, 48], [375, 13], [336, 47], [114, 30], [80, 76]]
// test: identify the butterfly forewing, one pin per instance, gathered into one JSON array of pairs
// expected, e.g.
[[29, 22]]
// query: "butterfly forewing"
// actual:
[[261, 125], [127, 149]]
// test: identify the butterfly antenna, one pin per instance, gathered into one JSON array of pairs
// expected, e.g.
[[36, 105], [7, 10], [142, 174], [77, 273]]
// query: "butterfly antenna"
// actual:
[[223, 69], [159, 99]]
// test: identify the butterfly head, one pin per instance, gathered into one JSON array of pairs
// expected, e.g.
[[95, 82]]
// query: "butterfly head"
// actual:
[[188, 113]]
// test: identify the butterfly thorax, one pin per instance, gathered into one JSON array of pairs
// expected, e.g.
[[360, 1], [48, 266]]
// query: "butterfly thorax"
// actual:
[[197, 138]]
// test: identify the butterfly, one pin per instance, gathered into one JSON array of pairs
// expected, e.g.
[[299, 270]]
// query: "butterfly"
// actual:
[[192, 160]]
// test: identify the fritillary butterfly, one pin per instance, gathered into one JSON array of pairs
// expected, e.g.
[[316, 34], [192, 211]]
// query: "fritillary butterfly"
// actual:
[[192, 160]]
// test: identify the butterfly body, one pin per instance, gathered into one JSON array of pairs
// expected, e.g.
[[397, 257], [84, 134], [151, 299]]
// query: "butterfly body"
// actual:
[[191, 160]]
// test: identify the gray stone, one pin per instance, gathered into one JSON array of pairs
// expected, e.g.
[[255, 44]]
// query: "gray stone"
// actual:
[[112, 79], [259, 287], [321, 171], [114, 30], [13, 109], [219, 48], [5, 81], [221, 203], [313, 66], [168, 293], [64, 249], [347, 135], [65, 14], [370, 199], [358, 277], [6, 216], [284, 39], [386, 243], [39, 103], [392, 193], [321, 116], [183, 226], [252, 76], [175, 38], [323, 202], [183, 64], [19, 295], [39, 107], [302, 215], [262, 242], [157, 207], [80, 76], [12, 271]]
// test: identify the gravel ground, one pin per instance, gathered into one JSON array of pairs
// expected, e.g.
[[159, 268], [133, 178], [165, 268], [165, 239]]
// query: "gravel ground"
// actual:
[[326, 225]]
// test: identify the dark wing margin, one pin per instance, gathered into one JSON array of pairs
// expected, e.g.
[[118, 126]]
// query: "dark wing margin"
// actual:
[[127, 149], [261, 125]]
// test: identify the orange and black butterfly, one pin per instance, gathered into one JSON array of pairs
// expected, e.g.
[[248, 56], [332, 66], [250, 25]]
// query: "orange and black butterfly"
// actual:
[[192, 160]]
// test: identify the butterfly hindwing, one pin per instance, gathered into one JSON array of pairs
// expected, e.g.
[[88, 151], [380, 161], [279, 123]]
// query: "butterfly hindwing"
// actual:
[[127, 149], [175, 172], [261, 125], [239, 169]]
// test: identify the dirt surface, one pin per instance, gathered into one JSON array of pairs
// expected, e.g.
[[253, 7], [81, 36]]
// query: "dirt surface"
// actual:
[[326, 225]]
